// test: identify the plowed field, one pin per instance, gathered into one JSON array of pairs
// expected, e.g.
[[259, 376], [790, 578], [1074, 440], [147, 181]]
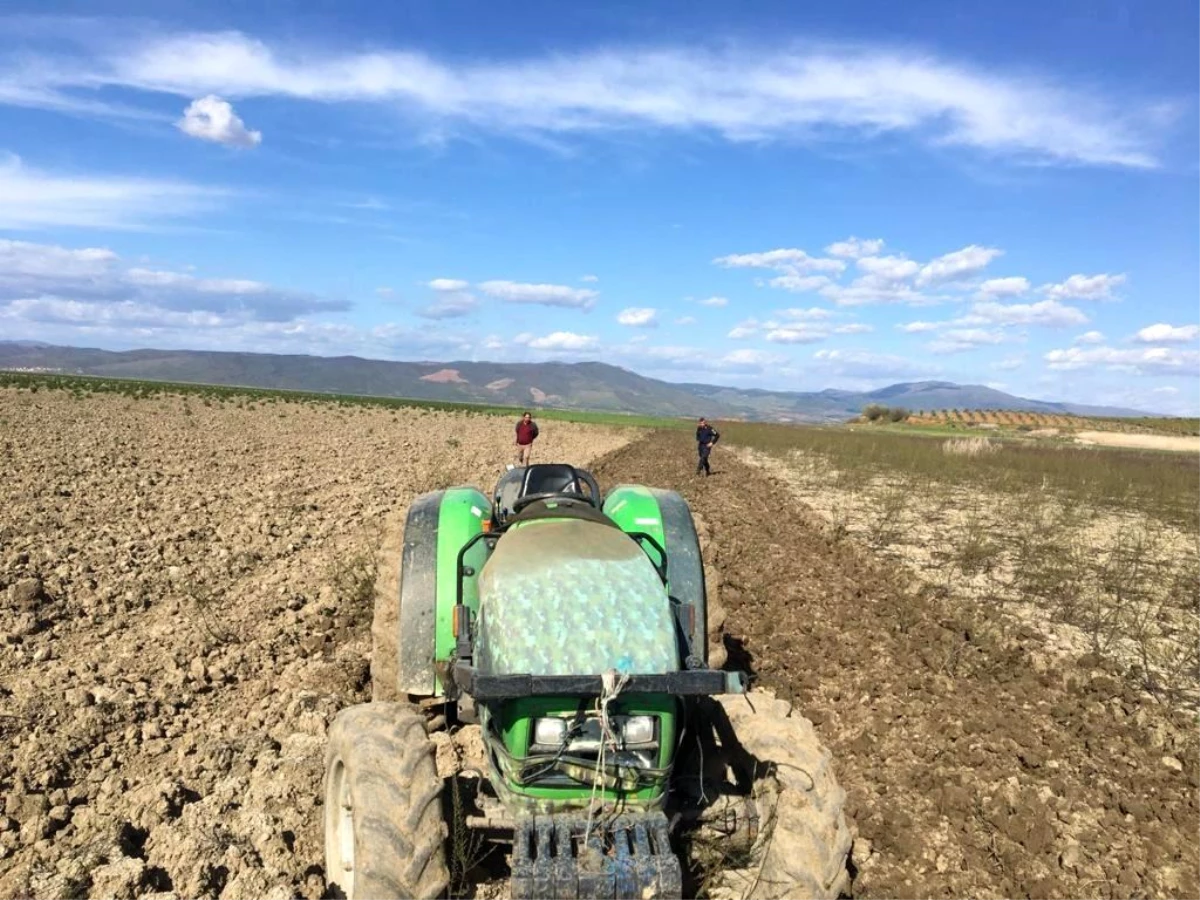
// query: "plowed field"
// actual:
[[970, 772], [185, 599]]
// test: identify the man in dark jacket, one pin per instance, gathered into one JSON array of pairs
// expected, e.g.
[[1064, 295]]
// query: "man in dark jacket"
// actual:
[[527, 432], [706, 436]]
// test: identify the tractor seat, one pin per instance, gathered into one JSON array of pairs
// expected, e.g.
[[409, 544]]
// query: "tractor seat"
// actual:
[[557, 481], [550, 478]]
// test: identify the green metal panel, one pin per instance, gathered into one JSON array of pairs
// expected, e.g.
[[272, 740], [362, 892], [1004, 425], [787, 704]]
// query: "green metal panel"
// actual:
[[634, 508], [570, 597], [665, 515], [461, 516]]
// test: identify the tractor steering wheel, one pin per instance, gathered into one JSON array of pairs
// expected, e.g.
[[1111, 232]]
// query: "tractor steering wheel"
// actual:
[[548, 495]]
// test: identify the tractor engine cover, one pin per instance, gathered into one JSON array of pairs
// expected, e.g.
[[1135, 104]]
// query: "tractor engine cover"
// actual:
[[570, 597]]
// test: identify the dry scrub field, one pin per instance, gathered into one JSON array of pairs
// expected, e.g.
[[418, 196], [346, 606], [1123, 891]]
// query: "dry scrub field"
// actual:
[[185, 606], [186, 591]]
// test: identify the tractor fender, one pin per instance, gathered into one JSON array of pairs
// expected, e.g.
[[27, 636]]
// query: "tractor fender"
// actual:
[[665, 515], [438, 524]]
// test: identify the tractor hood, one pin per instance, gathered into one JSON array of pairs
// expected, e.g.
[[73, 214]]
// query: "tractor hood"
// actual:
[[572, 597]]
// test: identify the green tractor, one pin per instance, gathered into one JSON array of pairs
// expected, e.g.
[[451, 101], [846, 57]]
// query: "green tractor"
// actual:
[[566, 630]]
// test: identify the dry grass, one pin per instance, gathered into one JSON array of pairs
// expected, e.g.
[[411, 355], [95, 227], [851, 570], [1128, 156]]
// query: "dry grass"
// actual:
[[1088, 579], [972, 446]]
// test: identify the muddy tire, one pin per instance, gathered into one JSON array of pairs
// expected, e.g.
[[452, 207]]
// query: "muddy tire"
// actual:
[[385, 622], [803, 843], [384, 830]]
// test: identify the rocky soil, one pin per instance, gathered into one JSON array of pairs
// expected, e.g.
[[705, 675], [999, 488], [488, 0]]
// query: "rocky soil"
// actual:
[[184, 606]]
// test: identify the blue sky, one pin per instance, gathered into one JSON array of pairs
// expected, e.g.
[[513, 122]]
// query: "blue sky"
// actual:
[[770, 194]]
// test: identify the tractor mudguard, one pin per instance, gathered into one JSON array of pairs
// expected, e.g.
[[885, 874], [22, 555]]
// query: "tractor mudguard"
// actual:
[[439, 523], [664, 515]]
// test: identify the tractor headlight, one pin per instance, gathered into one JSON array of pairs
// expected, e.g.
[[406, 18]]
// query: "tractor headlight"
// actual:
[[638, 730], [549, 732], [552, 732]]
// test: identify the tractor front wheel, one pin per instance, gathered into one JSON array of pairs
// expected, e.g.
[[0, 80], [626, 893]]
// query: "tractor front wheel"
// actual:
[[803, 843], [384, 830]]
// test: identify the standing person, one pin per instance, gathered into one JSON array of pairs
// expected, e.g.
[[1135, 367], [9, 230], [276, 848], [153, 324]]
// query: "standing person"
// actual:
[[527, 432], [706, 436]]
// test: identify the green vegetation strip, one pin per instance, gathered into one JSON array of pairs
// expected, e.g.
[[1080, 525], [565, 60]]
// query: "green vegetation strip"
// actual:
[[82, 385]]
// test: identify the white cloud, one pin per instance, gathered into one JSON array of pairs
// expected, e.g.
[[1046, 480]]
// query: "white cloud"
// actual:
[[854, 247], [448, 284], [449, 305], [30, 260], [754, 92], [213, 119], [889, 268], [686, 320], [1090, 337], [1009, 363], [864, 364], [791, 261], [35, 199], [806, 315], [1084, 287], [919, 327], [753, 360], [1148, 361], [638, 316], [799, 284], [564, 340], [715, 302], [1049, 313], [796, 334], [960, 264], [1004, 287], [543, 294], [385, 291], [589, 278], [130, 324], [745, 329], [95, 276], [854, 328], [1167, 334], [958, 340], [693, 359], [872, 289]]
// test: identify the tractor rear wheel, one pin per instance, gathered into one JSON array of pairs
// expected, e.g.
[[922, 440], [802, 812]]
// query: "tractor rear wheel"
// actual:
[[384, 830], [803, 842]]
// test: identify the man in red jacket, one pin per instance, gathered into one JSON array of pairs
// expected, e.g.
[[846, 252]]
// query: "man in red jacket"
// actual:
[[527, 432]]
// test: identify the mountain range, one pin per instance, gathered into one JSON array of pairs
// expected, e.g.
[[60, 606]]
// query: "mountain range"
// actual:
[[580, 386]]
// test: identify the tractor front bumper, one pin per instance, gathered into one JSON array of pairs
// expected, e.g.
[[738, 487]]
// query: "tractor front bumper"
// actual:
[[563, 857], [687, 682]]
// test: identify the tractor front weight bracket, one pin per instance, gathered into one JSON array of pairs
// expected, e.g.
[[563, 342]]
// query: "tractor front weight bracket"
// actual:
[[566, 856]]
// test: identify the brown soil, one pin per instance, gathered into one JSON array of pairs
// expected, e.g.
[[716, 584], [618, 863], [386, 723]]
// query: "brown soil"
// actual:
[[970, 772], [185, 604]]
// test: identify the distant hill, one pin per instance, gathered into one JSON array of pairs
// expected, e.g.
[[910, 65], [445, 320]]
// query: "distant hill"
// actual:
[[585, 385]]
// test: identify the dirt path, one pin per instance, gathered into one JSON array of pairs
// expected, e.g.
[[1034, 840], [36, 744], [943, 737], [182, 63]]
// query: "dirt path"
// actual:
[[970, 772], [1140, 441]]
